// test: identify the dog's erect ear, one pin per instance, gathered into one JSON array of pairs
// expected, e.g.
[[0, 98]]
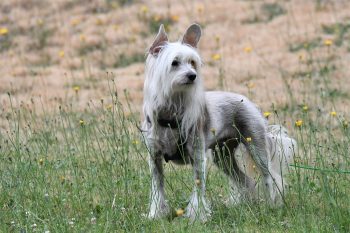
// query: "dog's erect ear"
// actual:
[[160, 41], [192, 35]]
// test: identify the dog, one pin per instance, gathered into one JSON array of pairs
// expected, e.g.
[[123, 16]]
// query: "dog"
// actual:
[[182, 123]]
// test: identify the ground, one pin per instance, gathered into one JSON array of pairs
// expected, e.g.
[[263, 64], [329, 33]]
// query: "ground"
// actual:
[[247, 46]]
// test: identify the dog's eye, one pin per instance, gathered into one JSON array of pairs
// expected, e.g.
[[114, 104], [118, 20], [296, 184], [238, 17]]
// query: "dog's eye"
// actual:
[[175, 63], [193, 64]]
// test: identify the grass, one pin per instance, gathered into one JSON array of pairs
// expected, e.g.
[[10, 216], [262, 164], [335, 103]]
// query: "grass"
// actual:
[[123, 60], [267, 12], [340, 30], [65, 168]]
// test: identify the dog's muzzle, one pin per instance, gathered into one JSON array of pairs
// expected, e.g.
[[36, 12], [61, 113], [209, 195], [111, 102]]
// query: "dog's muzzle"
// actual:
[[191, 76]]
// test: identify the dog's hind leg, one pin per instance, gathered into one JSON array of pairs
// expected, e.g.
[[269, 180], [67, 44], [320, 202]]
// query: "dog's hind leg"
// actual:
[[242, 186], [158, 205], [198, 208]]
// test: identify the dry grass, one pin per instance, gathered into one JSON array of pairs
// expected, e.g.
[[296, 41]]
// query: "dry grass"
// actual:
[[104, 36]]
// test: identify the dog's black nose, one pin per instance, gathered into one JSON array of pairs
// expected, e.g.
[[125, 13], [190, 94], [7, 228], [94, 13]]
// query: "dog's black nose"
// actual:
[[192, 76]]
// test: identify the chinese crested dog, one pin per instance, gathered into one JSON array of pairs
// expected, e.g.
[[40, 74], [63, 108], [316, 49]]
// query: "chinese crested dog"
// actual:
[[183, 122]]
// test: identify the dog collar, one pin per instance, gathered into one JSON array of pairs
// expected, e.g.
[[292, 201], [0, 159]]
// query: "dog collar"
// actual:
[[172, 123]]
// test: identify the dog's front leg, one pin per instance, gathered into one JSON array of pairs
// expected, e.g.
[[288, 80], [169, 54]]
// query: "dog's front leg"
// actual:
[[158, 205], [198, 208]]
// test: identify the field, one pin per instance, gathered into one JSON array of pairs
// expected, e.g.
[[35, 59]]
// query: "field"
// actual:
[[72, 158]]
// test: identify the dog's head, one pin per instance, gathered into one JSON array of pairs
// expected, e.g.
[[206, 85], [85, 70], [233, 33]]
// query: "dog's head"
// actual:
[[174, 67]]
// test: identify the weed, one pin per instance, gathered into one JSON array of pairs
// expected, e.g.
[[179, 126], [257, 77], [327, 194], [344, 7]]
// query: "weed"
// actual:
[[40, 33], [268, 11], [306, 45], [272, 10], [340, 30], [123, 60], [5, 39], [156, 20]]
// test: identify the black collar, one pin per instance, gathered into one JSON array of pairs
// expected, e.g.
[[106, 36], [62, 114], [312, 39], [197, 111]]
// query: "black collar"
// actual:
[[172, 123], [163, 122]]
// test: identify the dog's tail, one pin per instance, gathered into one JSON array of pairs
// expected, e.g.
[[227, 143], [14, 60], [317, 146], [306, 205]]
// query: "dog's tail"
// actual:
[[281, 149]]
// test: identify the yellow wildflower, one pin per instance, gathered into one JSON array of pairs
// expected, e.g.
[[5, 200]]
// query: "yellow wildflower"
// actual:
[[175, 18], [216, 57], [305, 108], [328, 42], [267, 114], [251, 85], [82, 37], [179, 212], [75, 22], [4, 31], [248, 49], [76, 89], [249, 139], [40, 22], [144, 9], [99, 22], [200, 9], [345, 124], [61, 53], [333, 113], [156, 18], [301, 57], [299, 123], [135, 142], [81, 122], [41, 161], [109, 107], [213, 130]]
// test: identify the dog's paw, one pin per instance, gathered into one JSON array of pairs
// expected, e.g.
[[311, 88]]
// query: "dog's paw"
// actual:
[[198, 209], [198, 214], [158, 211]]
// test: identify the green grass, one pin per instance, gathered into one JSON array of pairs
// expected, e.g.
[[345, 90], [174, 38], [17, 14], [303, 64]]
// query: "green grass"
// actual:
[[340, 30], [123, 60], [266, 13], [66, 170]]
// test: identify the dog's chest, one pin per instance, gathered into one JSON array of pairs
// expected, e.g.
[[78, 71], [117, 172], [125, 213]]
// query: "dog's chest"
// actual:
[[180, 154], [171, 145]]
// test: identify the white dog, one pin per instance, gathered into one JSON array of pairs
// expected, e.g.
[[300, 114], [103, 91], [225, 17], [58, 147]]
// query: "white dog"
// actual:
[[182, 122]]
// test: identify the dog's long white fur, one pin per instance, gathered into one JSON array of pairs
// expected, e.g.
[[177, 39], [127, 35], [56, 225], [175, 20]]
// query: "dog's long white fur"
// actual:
[[217, 121], [160, 90], [281, 149]]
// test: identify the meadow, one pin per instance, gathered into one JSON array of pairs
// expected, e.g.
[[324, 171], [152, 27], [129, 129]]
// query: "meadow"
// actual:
[[72, 158]]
